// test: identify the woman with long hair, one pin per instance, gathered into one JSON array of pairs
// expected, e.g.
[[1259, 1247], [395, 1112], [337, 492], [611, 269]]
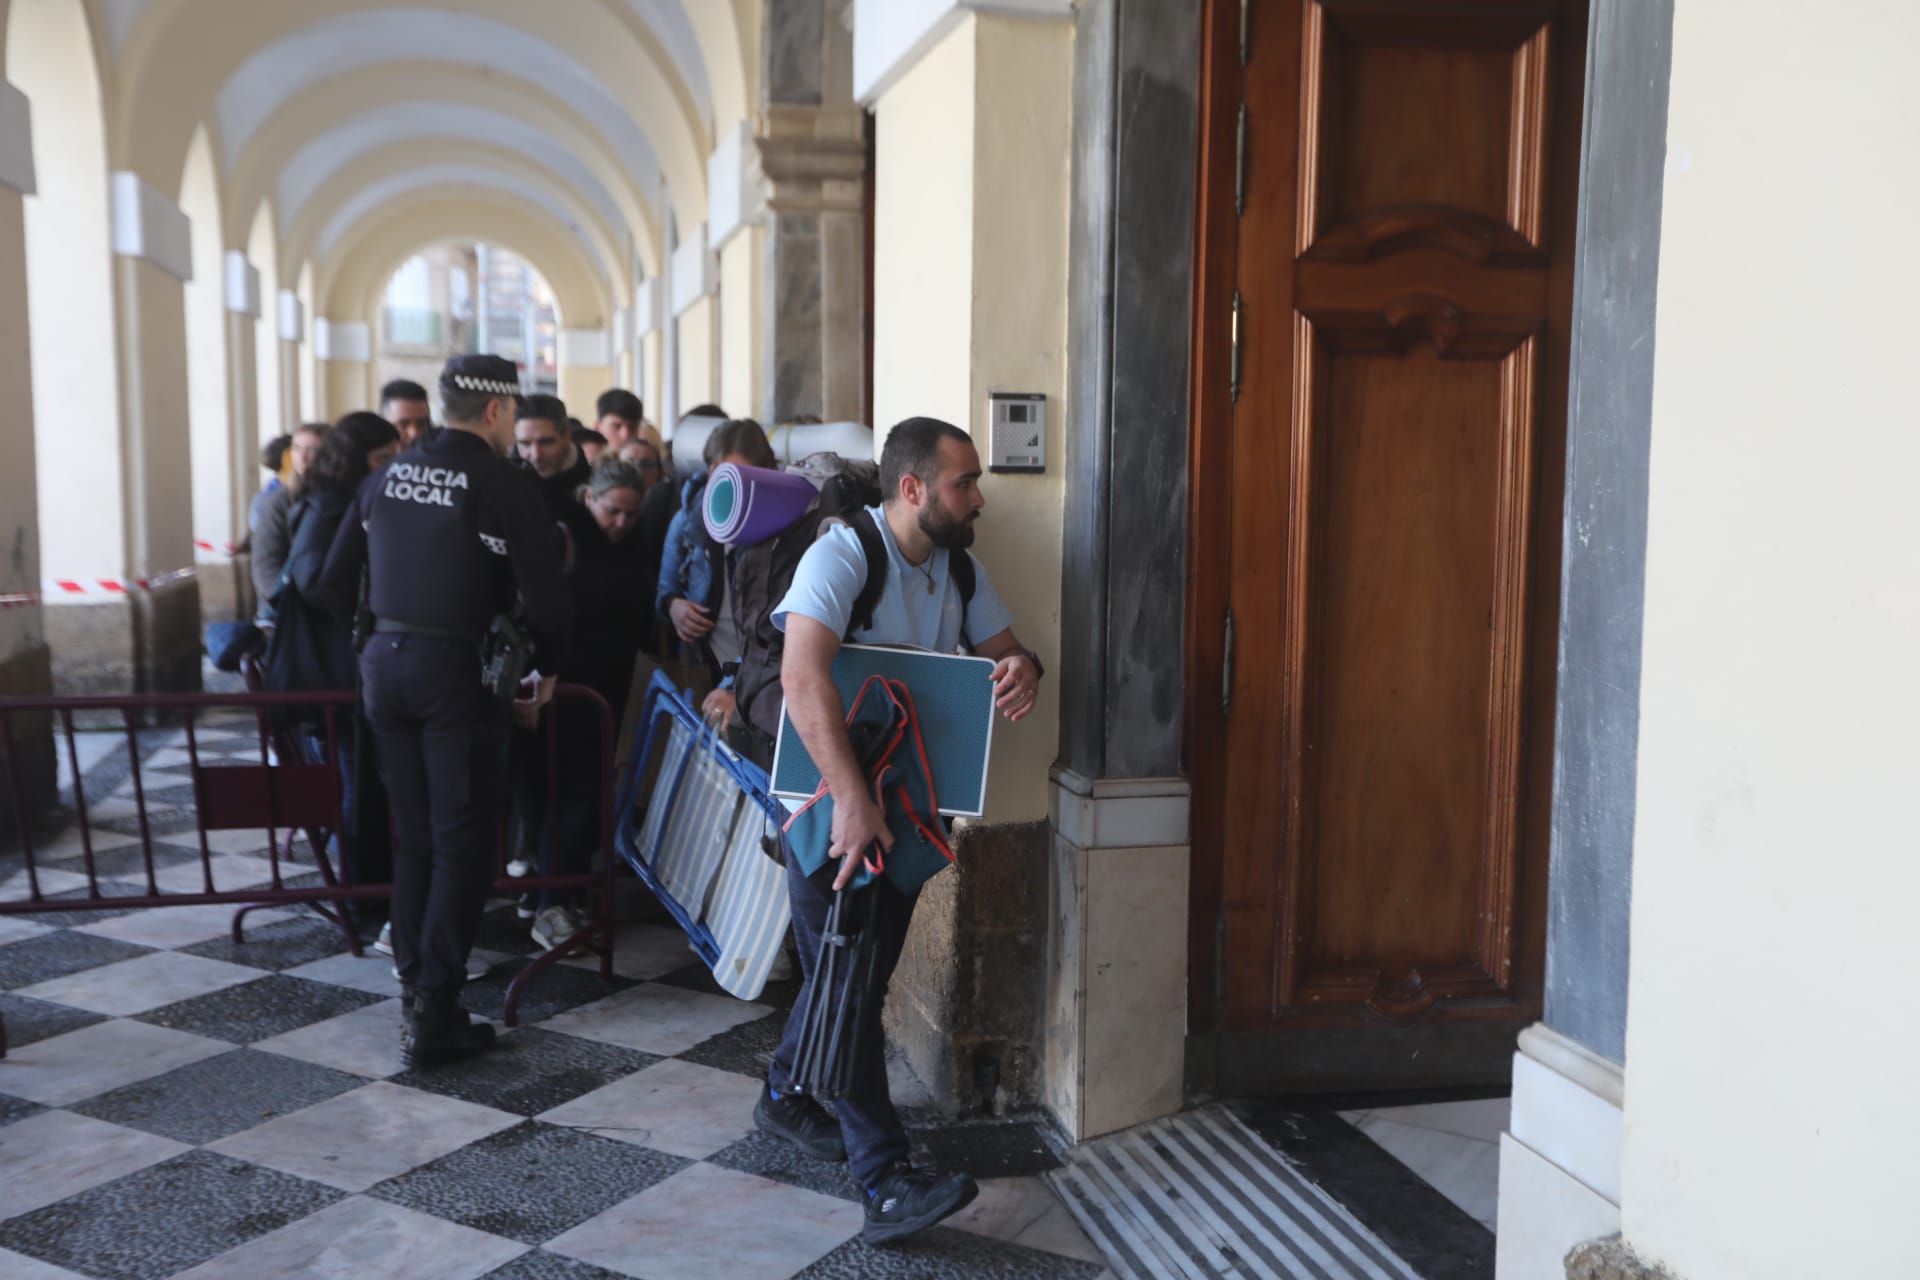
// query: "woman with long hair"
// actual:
[[320, 655]]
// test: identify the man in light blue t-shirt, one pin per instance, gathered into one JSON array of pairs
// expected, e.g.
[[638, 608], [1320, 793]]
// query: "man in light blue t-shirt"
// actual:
[[930, 479]]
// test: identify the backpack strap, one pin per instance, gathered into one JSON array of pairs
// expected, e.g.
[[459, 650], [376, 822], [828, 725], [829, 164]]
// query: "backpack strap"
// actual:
[[960, 569], [868, 600]]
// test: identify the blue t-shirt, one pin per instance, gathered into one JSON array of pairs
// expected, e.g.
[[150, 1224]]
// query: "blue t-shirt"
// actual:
[[828, 579]]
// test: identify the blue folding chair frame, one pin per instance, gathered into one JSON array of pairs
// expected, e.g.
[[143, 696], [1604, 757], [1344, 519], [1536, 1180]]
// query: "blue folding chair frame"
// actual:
[[664, 705]]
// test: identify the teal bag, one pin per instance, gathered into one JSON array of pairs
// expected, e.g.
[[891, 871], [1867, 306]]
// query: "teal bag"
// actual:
[[885, 733]]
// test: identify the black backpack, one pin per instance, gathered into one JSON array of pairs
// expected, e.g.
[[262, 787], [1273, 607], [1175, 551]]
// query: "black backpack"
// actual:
[[760, 574]]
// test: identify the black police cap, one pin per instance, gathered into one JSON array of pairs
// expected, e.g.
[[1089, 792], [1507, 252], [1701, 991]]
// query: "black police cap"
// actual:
[[493, 375]]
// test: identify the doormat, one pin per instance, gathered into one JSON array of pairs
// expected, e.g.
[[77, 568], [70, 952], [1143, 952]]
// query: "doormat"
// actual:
[[1199, 1195]]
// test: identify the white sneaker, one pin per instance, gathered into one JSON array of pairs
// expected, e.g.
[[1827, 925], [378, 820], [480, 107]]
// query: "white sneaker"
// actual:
[[519, 867], [555, 926], [384, 943]]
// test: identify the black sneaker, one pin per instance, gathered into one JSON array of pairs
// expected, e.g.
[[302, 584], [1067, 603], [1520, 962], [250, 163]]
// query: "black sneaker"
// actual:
[[802, 1122], [527, 906], [909, 1200], [438, 1032]]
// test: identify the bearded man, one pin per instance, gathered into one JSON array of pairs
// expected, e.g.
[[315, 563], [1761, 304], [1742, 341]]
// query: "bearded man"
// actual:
[[930, 482]]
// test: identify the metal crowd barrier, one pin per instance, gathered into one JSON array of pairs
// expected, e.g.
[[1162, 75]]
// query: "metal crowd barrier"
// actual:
[[280, 795]]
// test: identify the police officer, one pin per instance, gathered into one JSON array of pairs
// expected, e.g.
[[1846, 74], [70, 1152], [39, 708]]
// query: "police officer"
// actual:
[[448, 531]]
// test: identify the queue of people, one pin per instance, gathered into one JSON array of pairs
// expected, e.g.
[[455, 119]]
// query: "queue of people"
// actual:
[[417, 541]]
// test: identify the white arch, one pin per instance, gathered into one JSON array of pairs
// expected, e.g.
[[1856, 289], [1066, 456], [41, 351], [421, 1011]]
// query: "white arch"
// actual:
[[212, 445], [234, 57], [310, 167], [318, 110], [668, 22], [409, 165], [451, 179], [351, 281], [74, 350]]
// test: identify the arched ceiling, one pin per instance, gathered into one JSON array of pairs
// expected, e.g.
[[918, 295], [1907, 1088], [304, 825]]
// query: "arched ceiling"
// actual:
[[326, 156], [627, 68], [316, 112], [418, 165], [352, 281], [456, 181]]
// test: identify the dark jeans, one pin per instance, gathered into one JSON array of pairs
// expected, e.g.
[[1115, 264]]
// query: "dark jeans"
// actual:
[[444, 742], [365, 847], [870, 1126], [560, 806]]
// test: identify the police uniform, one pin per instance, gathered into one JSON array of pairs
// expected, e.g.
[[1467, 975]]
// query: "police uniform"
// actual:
[[449, 531]]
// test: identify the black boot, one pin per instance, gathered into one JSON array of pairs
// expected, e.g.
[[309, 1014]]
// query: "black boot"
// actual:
[[442, 1032], [406, 1015]]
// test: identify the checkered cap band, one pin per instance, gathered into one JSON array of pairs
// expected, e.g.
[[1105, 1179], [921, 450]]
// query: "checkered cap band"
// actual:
[[467, 382]]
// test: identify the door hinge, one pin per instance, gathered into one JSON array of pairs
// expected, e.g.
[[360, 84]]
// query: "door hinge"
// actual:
[[1233, 354], [1226, 669], [1240, 164], [1245, 7]]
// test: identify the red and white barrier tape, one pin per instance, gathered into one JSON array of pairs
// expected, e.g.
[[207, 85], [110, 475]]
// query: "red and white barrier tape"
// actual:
[[73, 590], [217, 548], [19, 599]]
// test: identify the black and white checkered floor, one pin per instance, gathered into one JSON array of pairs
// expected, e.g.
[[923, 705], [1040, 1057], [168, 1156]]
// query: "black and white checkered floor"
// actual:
[[174, 1104]]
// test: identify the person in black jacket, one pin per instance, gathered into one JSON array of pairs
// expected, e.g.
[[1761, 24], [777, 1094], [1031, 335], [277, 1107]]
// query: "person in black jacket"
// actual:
[[545, 447], [449, 533], [612, 617], [354, 447]]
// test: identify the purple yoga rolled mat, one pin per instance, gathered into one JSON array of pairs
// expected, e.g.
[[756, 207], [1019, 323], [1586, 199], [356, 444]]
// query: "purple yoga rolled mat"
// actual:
[[745, 505]]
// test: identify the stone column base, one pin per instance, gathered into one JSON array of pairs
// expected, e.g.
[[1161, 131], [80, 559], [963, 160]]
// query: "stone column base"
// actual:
[[966, 998], [141, 642], [1612, 1259], [28, 673], [1560, 1163], [1117, 952]]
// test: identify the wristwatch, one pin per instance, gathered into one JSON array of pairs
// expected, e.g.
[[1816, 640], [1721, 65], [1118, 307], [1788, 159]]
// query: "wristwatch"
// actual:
[[1039, 667]]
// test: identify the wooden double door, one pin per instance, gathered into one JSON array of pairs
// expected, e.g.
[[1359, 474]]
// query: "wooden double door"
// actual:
[[1384, 287]]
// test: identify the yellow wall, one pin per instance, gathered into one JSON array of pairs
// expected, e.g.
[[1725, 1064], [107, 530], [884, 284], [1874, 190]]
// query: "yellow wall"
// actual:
[[581, 385], [652, 346], [293, 407], [923, 241], [243, 407], [1770, 1040], [348, 388], [742, 391], [697, 382], [970, 280]]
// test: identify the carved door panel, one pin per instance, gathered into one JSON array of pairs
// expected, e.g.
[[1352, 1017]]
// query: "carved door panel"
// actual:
[[1403, 239]]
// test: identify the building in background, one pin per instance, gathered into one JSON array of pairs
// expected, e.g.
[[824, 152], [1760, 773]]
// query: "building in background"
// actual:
[[459, 298]]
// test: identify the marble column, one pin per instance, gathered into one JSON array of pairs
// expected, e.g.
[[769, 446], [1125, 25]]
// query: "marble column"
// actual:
[[807, 172], [1120, 849], [243, 410], [1560, 1171]]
